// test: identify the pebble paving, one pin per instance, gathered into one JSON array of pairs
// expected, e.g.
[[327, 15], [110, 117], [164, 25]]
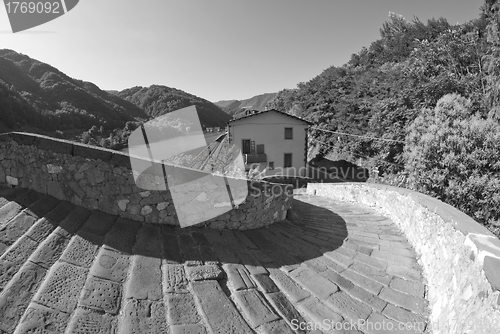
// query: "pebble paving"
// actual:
[[332, 267]]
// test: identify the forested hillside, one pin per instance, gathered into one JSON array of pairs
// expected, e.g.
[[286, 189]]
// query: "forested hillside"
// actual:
[[37, 97], [236, 108], [158, 100], [391, 90]]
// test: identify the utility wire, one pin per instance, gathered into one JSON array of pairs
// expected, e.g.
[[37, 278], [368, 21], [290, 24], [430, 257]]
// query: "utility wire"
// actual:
[[365, 137]]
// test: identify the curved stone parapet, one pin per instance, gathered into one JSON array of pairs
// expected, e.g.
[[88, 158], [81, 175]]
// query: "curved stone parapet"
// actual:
[[460, 257], [102, 179]]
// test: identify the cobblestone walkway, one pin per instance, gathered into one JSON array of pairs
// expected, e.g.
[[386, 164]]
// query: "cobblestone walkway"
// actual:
[[334, 268]]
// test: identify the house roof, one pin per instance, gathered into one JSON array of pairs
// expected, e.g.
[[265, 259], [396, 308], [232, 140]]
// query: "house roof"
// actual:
[[266, 111]]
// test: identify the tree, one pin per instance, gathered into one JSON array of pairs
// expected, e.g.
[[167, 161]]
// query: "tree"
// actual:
[[454, 155]]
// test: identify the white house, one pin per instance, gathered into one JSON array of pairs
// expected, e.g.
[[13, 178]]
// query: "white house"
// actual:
[[272, 140]]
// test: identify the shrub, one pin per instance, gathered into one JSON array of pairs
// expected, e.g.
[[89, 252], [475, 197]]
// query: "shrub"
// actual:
[[454, 155]]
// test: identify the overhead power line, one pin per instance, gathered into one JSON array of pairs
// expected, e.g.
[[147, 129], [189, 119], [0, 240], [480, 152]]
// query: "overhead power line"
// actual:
[[364, 137]]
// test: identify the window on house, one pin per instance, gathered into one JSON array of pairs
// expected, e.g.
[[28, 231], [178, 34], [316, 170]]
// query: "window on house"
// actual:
[[245, 146], [288, 133], [271, 165], [288, 160]]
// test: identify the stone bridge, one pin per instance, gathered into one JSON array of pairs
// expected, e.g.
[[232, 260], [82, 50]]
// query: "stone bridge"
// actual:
[[348, 258]]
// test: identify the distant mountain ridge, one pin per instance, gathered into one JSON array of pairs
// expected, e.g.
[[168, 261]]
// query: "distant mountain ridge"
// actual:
[[235, 108], [158, 100], [37, 97]]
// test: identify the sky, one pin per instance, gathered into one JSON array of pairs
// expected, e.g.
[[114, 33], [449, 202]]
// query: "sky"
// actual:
[[215, 49]]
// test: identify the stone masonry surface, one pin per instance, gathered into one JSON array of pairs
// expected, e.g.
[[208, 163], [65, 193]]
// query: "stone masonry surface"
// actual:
[[101, 179], [460, 258], [335, 267]]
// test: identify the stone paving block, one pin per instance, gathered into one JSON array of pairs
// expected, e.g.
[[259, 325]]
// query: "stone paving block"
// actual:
[[110, 265], [189, 250], [43, 206], [284, 307], [276, 327], [62, 287], [188, 329], [293, 291], [251, 263], [321, 264], [85, 321], [101, 294], [41, 229], [348, 307], [15, 228], [402, 261], [379, 324], [170, 248], [219, 312], [262, 257], [9, 211], [417, 305], [245, 240], [343, 283], [12, 260], [368, 298], [182, 309], [145, 279], [314, 282], [61, 211], [343, 260], [265, 283], [403, 272], [49, 251], [346, 251], [224, 254], [208, 255], [284, 260], [41, 319], [371, 261], [28, 198], [399, 251], [404, 316], [99, 223], [239, 278], [72, 223], [3, 248], [143, 316], [259, 240], [319, 313], [204, 272], [18, 293], [378, 275], [255, 308], [413, 288], [364, 282], [82, 249], [122, 235], [174, 278], [149, 241]]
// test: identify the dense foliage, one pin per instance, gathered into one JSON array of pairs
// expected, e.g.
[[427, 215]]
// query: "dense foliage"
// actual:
[[388, 91], [453, 154]]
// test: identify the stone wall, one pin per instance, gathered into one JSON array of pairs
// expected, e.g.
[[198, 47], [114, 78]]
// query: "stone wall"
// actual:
[[102, 179], [460, 258]]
